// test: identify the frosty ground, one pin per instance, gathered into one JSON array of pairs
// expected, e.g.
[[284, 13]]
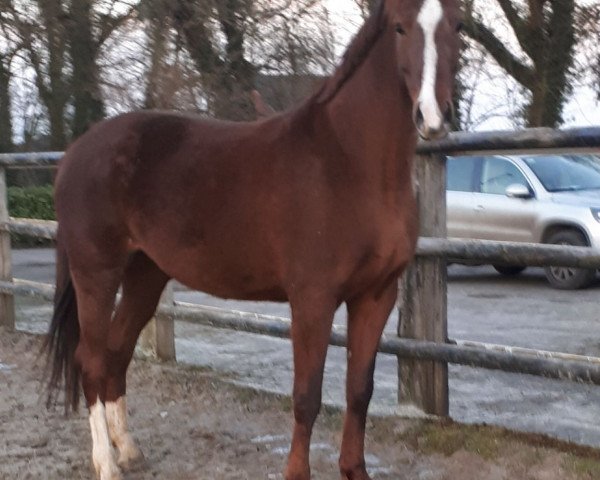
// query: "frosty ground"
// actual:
[[196, 423]]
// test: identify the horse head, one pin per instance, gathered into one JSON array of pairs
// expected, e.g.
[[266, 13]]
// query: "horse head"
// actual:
[[427, 47]]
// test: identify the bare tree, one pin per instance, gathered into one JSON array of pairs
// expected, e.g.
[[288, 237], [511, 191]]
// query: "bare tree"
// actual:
[[234, 45], [545, 33], [89, 25], [62, 41], [366, 6], [587, 27], [7, 53], [158, 33], [214, 33], [41, 27]]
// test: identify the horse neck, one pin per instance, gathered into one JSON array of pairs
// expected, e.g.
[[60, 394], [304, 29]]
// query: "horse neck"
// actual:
[[371, 115]]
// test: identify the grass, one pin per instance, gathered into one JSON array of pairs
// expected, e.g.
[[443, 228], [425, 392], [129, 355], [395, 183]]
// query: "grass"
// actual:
[[493, 443], [582, 467], [447, 439]]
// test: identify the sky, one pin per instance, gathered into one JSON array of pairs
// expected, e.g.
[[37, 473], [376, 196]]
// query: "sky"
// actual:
[[346, 17]]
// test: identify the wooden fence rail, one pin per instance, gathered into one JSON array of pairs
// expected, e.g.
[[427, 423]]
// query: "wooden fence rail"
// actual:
[[422, 345], [458, 249], [577, 368]]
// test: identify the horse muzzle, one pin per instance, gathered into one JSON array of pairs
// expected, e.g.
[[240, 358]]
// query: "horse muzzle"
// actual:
[[433, 125]]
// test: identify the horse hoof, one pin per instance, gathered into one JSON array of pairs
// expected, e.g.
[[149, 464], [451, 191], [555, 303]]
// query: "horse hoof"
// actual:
[[360, 476], [355, 474], [108, 471], [110, 474], [131, 460], [297, 474], [132, 464], [294, 476]]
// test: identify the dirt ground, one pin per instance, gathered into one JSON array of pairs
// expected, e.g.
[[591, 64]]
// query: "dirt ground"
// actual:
[[196, 424]]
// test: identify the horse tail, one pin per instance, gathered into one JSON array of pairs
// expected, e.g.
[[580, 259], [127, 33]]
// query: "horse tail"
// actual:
[[63, 337]]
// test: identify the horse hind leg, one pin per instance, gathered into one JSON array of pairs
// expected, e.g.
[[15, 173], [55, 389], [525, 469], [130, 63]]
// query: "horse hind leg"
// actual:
[[143, 283], [96, 285]]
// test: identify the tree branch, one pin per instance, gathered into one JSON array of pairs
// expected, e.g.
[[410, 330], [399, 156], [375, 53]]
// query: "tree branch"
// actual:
[[511, 14], [481, 34], [519, 26], [109, 24], [197, 36]]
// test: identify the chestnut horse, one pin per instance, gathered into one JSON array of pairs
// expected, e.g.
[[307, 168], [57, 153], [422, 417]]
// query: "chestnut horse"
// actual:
[[313, 206]]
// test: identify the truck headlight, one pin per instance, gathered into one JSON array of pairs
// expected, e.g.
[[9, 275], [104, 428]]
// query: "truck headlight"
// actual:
[[596, 213]]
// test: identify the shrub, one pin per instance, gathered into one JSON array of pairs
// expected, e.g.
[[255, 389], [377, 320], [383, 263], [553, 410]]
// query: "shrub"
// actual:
[[31, 202]]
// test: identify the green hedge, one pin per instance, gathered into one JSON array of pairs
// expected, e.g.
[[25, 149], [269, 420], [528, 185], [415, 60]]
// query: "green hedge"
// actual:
[[31, 202]]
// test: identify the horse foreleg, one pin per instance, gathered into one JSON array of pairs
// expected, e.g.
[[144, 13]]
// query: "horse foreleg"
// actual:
[[143, 283], [311, 326], [367, 316]]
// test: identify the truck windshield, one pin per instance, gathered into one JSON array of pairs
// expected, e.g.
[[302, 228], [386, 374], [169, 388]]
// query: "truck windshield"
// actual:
[[566, 173]]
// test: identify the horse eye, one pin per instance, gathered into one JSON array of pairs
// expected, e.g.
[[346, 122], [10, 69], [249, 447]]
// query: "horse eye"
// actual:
[[460, 26], [400, 30]]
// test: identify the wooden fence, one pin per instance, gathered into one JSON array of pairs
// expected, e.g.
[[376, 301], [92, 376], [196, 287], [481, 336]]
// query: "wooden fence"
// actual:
[[421, 345]]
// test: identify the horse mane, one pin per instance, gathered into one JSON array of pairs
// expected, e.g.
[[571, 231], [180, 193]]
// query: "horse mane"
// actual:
[[355, 54]]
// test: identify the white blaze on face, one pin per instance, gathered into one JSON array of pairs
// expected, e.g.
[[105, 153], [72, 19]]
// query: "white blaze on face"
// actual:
[[429, 18]]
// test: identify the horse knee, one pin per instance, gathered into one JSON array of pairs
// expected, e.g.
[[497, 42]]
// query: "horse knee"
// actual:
[[306, 407], [359, 398]]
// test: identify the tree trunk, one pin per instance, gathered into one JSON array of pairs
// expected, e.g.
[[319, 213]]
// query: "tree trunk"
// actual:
[[157, 31], [52, 80], [87, 100], [58, 134], [6, 128], [239, 74], [229, 79]]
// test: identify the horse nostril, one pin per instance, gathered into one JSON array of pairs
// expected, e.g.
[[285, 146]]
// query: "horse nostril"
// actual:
[[449, 113], [418, 117]]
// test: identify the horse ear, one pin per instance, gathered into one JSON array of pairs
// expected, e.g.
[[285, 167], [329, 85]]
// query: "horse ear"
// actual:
[[262, 108]]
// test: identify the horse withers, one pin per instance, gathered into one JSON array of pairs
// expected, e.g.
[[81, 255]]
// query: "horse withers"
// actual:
[[313, 206]]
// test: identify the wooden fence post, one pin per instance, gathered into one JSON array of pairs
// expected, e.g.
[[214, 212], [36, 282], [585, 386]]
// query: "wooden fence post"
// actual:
[[158, 338], [7, 302], [423, 295]]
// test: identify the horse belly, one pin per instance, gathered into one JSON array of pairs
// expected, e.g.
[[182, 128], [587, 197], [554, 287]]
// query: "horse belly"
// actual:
[[239, 274]]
